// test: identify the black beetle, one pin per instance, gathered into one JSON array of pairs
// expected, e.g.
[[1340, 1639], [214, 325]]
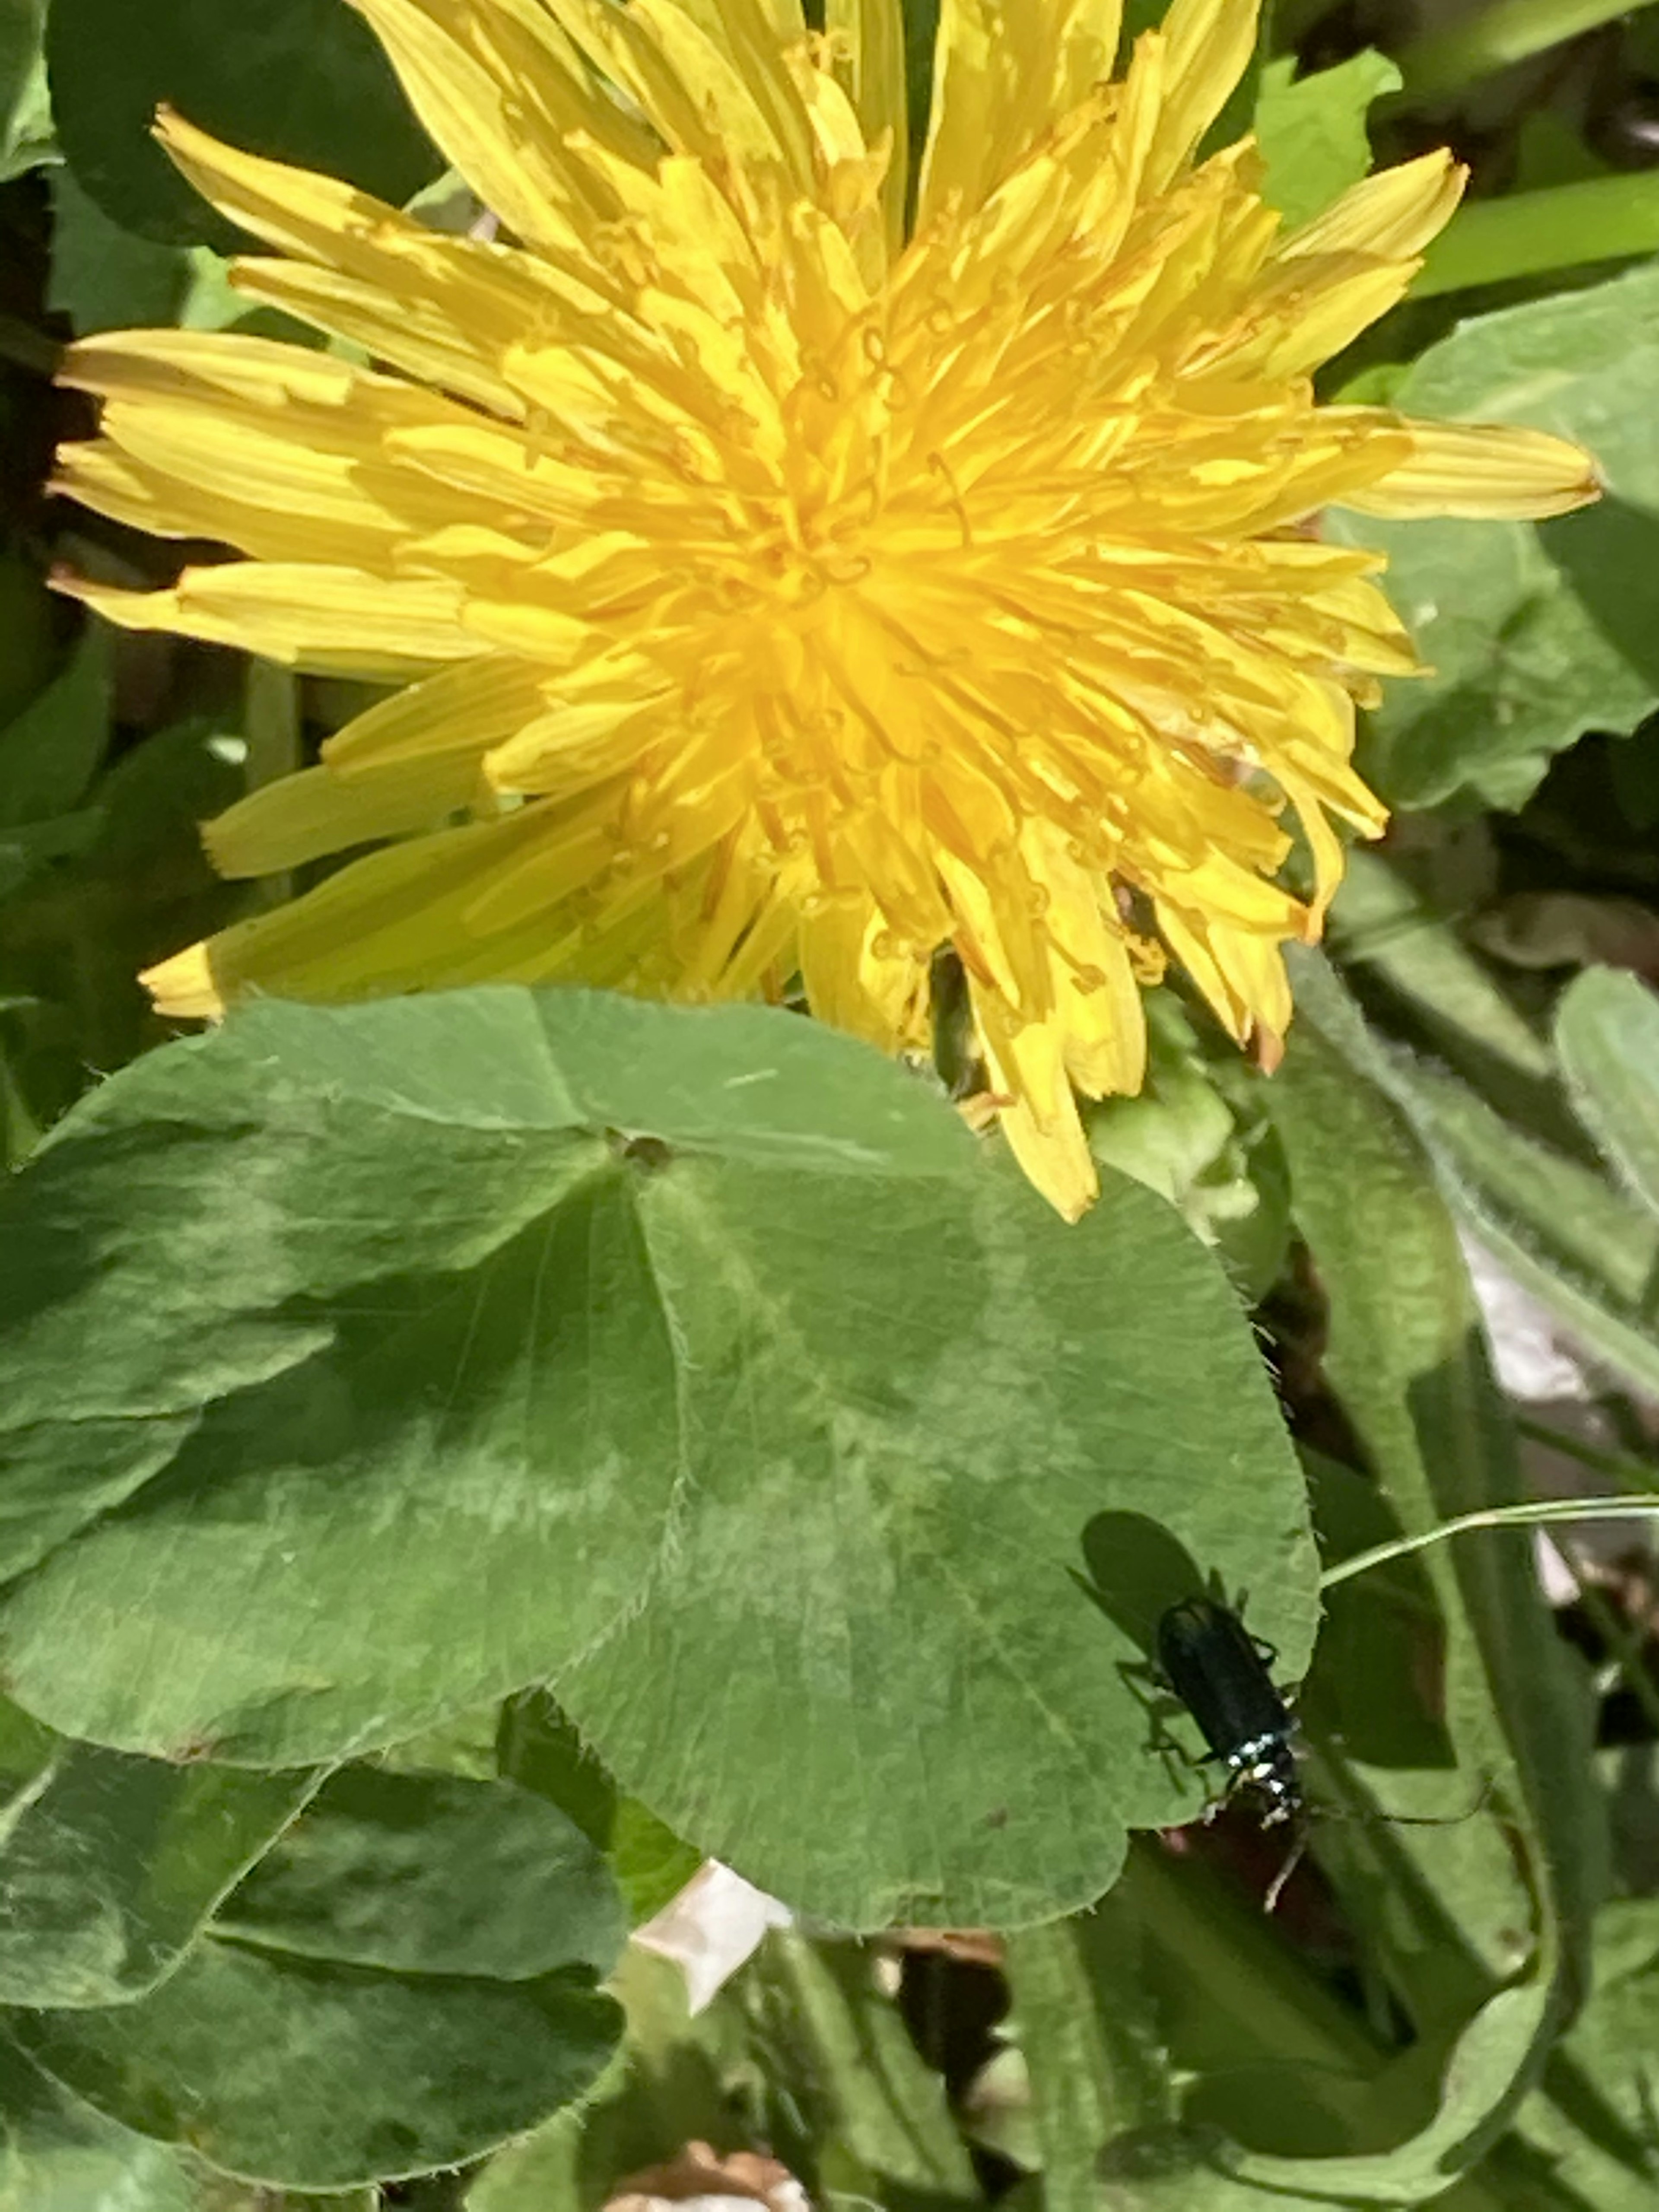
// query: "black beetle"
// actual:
[[1219, 1672]]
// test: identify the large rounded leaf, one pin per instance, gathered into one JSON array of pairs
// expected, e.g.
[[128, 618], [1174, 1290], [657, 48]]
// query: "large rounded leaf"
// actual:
[[315, 2076], [62, 2156], [302, 80], [110, 1864], [433, 1874], [699, 1365], [1532, 633]]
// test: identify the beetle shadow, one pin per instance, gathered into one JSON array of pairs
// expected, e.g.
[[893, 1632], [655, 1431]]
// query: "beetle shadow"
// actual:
[[1136, 1570]]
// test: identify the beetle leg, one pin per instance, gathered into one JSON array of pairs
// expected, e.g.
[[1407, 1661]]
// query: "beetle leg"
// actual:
[[1150, 1686]]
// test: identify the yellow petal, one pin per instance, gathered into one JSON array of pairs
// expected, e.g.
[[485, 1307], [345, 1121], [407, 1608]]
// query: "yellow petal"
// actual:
[[266, 446], [1000, 75], [402, 765], [498, 89], [1391, 216], [1486, 471], [786, 598], [1208, 44], [417, 335], [1188, 937], [327, 620], [393, 922], [303, 816], [1038, 1115], [866, 39], [1096, 998], [691, 93], [469, 708], [732, 57], [1255, 967], [183, 985], [463, 299]]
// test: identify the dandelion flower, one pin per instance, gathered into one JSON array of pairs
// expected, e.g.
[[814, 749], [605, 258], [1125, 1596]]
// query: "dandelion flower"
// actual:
[[784, 587]]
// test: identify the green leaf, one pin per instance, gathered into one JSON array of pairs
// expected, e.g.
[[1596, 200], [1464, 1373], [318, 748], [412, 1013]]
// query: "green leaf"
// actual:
[[698, 1365], [1180, 1138], [1378, 921], [63, 2156], [133, 883], [1448, 56], [106, 277], [25, 119], [872, 2115], [25, 851], [55, 1475], [155, 798], [1535, 632], [303, 80], [1607, 1031], [1599, 2140], [1587, 1251], [431, 1874], [1311, 130], [1574, 1218], [1599, 1323], [50, 753], [110, 1864], [1204, 2006], [103, 276], [650, 1863], [316, 2076], [1530, 234], [1407, 1359], [667, 2086], [1486, 2072], [538, 1747], [541, 2172], [27, 140], [20, 24], [463, 1744], [29, 631], [1091, 2045]]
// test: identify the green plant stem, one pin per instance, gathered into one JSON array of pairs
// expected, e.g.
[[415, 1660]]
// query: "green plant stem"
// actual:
[[1444, 61], [273, 723], [1540, 1513], [274, 729], [1529, 234]]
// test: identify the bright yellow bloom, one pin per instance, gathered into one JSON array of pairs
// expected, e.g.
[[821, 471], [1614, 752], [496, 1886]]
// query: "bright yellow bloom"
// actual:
[[784, 597]]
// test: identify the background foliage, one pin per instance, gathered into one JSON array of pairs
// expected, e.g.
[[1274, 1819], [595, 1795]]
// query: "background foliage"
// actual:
[[464, 1460]]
